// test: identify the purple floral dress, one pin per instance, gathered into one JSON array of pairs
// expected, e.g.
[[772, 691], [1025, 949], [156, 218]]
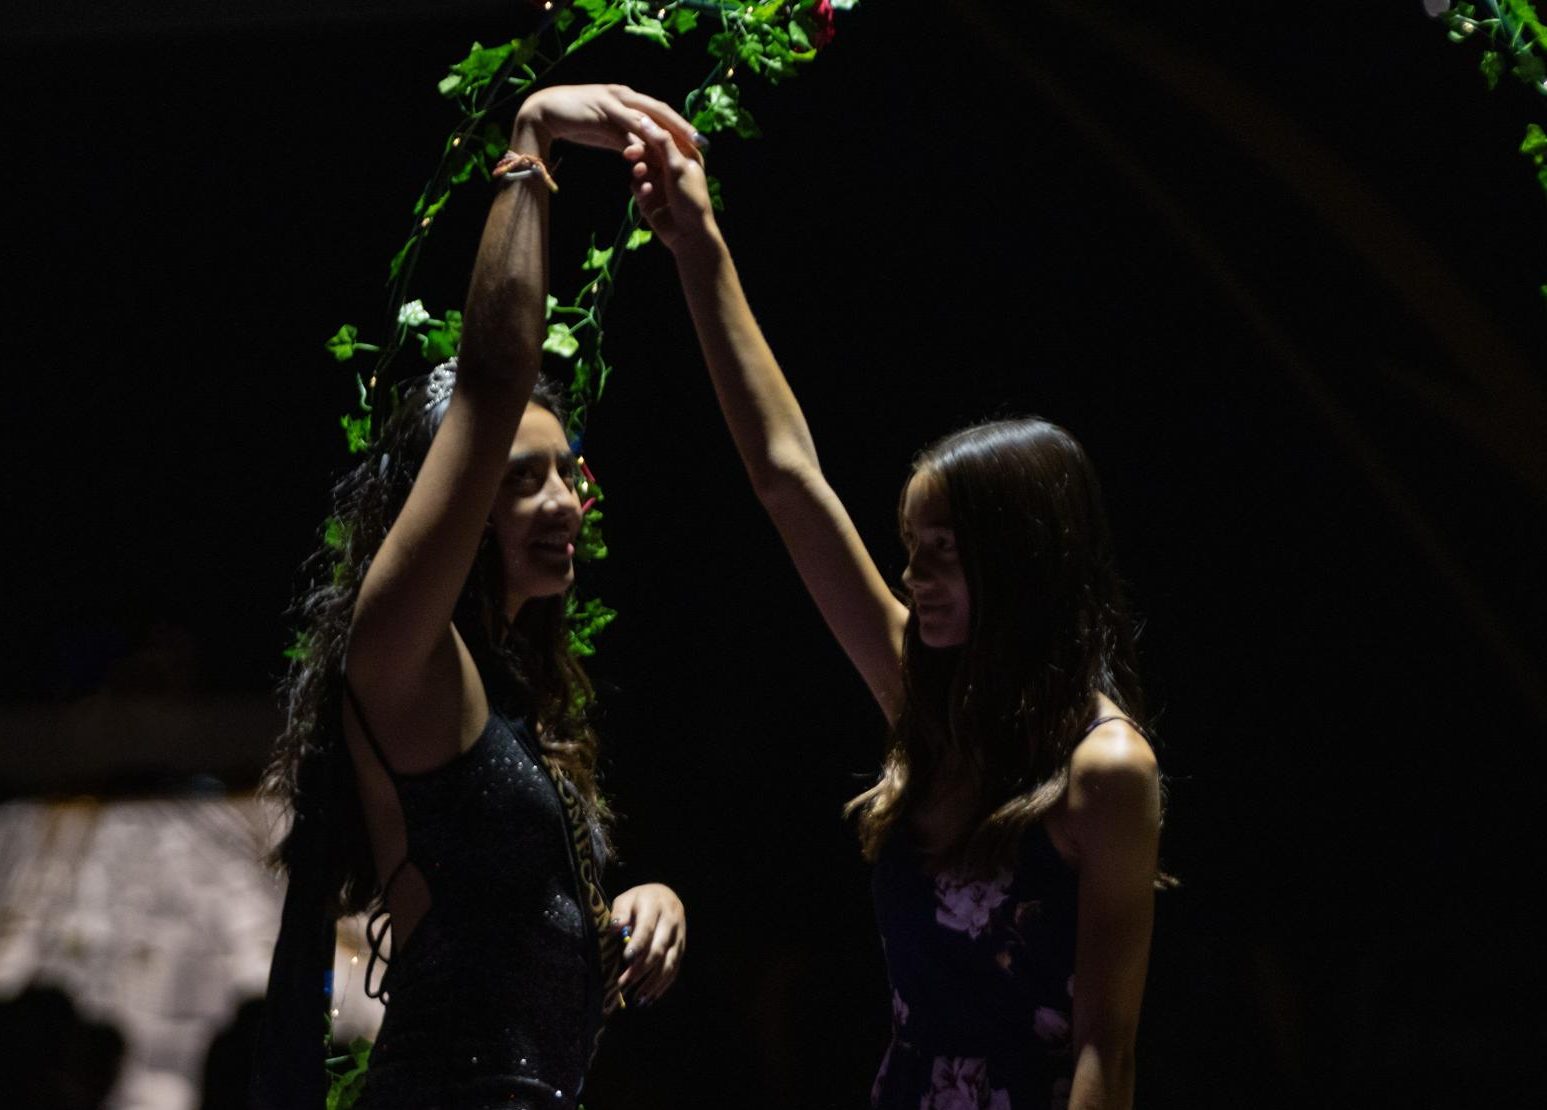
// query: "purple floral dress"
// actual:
[[982, 977]]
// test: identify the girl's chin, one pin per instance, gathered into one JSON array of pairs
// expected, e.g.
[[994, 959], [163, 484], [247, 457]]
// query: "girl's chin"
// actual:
[[940, 638]]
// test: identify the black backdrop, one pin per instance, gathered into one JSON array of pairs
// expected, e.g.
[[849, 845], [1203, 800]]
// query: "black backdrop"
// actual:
[[1277, 269]]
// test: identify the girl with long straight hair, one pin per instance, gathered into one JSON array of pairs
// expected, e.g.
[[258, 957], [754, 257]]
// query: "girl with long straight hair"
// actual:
[[1014, 826]]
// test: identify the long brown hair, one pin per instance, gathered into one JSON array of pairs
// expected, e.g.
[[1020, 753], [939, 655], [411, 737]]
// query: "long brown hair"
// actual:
[[1048, 631], [527, 666]]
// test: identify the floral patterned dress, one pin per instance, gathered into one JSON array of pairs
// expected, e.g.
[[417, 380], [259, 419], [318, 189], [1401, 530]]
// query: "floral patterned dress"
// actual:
[[982, 976]]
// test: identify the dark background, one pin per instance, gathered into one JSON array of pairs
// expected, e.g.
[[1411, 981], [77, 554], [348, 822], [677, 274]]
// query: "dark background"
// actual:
[[1276, 266]]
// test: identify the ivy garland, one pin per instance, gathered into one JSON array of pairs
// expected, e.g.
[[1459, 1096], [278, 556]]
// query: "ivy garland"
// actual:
[[1514, 42], [772, 39]]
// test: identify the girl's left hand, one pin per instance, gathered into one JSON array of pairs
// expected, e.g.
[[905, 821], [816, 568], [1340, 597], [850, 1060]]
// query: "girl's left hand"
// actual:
[[657, 937]]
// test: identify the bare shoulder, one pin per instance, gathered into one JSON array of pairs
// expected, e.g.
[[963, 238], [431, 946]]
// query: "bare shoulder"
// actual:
[[1113, 751], [1114, 782]]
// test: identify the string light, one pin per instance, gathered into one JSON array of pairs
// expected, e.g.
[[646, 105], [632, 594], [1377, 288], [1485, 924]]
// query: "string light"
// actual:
[[457, 141]]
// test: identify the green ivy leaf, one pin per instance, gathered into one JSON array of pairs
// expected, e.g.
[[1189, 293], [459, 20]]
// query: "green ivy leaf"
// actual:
[[400, 257], [682, 20], [357, 432], [1534, 145], [482, 65], [651, 29], [596, 259], [1492, 66], [335, 534], [561, 341], [592, 8], [721, 110], [716, 201], [638, 238], [586, 620], [342, 345], [1529, 68], [723, 45], [549, 305], [300, 648], [436, 205]]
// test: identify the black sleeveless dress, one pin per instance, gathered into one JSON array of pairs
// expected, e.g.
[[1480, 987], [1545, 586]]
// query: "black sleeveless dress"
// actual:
[[499, 995], [982, 975]]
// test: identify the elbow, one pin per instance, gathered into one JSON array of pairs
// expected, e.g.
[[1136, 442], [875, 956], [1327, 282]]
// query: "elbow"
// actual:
[[779, 482], [1104, 1074]]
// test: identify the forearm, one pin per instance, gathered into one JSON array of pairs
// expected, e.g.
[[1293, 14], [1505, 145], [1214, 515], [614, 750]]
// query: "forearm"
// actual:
[[503, 320], [760, 409]]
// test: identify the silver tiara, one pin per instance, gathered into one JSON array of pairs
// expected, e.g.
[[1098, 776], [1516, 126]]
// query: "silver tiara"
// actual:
[[443, 379]]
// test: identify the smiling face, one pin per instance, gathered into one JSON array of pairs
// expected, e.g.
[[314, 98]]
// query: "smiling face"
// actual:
[[536, 514], [934, 577]]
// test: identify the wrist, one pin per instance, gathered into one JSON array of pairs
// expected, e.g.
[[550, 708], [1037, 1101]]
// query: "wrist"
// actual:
[[531, 135], [702, 248]]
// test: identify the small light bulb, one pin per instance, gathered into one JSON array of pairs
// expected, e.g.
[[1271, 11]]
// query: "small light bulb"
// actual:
[[548, 6], [731, 72], [425, 222], [457, 141], [335, 1012], [661, 14], [356, 959]]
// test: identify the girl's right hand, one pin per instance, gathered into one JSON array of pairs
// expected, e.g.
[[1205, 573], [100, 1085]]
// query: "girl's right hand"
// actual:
[[671, 188], [606, 116]]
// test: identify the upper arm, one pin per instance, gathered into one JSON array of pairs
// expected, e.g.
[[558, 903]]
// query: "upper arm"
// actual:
[[402, 618], [1114, 818], [842, 579]]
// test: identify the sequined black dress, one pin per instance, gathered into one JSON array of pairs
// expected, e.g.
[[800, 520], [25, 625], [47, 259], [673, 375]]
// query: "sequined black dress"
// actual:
[[497, 998]]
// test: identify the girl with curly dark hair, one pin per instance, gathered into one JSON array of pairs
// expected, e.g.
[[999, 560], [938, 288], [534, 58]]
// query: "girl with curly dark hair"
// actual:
[[438, 762], [1014, 826]]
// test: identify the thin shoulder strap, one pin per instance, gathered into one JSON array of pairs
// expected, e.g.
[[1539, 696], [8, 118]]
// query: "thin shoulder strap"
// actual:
[[365, 728], [1097, 723]]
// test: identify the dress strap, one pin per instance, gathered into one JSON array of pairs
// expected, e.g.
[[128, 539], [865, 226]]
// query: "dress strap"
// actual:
[[1099, 721]]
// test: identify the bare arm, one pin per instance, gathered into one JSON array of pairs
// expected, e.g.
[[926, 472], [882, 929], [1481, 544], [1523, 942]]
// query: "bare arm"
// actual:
[[1114, 818], [405, 659], [767, 425]]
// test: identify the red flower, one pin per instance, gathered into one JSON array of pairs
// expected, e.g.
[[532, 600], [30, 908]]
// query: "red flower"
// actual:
[[819, 23]]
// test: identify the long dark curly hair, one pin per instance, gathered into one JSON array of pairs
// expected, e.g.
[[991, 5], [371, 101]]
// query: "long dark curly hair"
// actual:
[[526, 665], [1048, 631]]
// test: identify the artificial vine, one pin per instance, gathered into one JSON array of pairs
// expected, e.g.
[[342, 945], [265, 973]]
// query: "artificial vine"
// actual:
[[1514, 41], [772, 40]]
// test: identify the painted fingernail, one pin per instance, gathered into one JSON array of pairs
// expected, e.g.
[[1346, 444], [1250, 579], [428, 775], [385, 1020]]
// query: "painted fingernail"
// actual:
[[700, 140]]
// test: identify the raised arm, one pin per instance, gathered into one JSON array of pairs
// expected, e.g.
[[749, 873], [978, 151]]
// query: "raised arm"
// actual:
[[405, 659], [766, 423]]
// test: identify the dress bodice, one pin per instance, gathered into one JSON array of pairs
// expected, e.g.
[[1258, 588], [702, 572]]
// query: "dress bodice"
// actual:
[[982, 975]]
